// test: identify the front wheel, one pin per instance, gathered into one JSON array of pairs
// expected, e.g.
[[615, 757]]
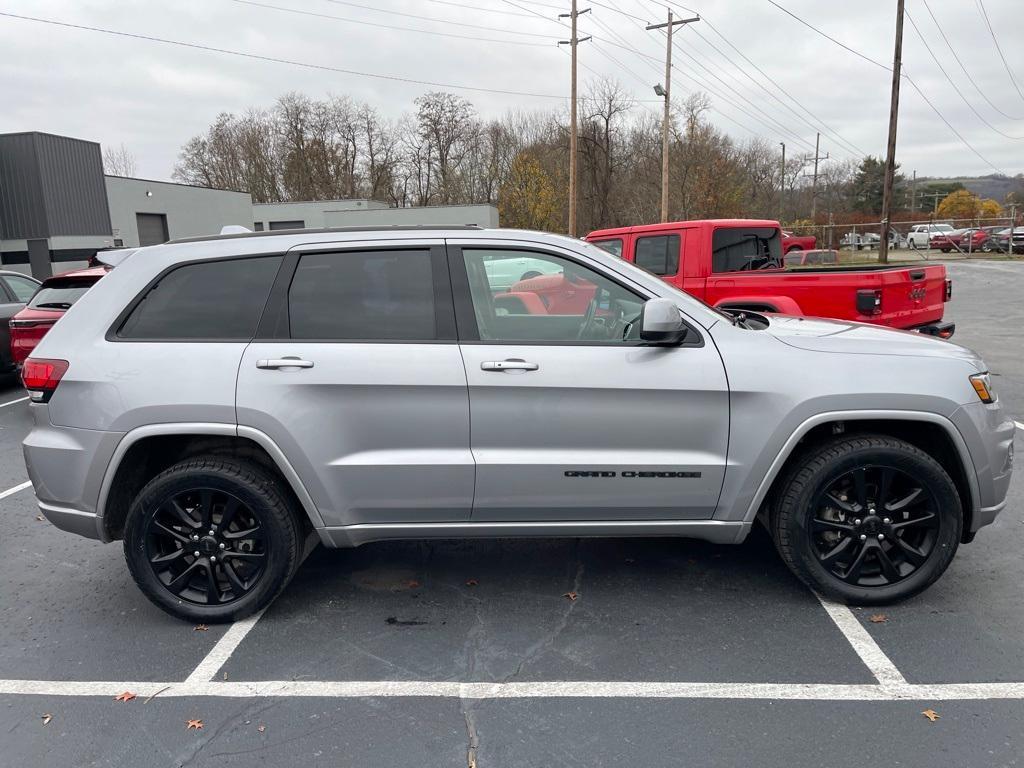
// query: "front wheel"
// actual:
[[867, 520], [212, 539]]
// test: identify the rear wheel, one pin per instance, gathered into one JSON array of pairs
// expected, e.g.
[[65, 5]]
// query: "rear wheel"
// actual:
[[868, 520], [212, 539]]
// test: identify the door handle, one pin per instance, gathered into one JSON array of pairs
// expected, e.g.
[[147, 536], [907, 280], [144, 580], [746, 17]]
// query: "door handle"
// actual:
[[513, 364], [283, 362]]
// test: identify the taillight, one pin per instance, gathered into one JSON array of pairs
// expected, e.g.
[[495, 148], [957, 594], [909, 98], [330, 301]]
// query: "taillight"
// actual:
[[41, 377], [869, 301], [949, 289]]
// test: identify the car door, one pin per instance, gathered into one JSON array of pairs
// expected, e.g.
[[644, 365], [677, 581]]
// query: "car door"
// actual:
[[572, 417], [356, 375]]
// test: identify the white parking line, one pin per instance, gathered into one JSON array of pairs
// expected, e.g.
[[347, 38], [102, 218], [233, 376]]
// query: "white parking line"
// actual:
[[1019, 425], [864, 645], [12, 402], [15, 489], [540, 690], [221, 652]]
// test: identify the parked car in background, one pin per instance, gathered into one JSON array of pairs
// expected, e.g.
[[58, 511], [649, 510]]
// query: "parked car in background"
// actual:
[[1002, 238], [53, 298], [815, 258], [738, 264], [15, 291], [791, 242], [859, 241], [946, 241], [920, 235]]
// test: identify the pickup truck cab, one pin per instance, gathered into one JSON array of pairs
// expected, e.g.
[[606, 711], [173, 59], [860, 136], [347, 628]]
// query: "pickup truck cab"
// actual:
[[738, 264]]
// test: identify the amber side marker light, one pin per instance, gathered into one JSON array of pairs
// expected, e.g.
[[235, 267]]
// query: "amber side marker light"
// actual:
[[983, 386]]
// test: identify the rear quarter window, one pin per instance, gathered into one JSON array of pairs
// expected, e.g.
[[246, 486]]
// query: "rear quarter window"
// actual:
[[614, 247], [220, 300], [658, 254]]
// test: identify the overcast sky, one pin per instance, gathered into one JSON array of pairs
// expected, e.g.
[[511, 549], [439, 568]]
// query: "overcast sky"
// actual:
[[153, 97]]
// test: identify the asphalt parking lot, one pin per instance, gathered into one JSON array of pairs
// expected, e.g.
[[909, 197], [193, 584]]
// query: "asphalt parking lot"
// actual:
[[474, 654]]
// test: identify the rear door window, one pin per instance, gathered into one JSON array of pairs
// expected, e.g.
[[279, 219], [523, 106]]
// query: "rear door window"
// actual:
[[740, 249], [212, 300], [658, 254], [385, 295]]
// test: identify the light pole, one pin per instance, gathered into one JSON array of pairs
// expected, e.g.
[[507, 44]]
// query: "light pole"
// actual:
[[782, 179], [666, 93]]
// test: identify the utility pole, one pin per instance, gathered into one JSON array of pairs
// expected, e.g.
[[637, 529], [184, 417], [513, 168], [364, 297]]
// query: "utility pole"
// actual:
[[890, 156], [666, 93], [782, 183], [572, 43], [913, 192], [814, 180]]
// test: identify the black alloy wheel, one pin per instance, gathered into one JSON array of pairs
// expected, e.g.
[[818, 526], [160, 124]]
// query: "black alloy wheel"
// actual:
[[874, 525], [213, 539], [866, 519], [206, 546]]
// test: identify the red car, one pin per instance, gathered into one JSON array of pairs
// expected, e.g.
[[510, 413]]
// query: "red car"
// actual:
[[791, 242], [53, 298], [739, 264]]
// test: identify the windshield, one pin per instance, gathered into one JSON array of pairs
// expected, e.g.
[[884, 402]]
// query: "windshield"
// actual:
[[60, 294]]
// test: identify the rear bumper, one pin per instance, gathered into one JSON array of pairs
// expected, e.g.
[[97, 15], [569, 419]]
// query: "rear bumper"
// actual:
[[72, 520], [942, 330]]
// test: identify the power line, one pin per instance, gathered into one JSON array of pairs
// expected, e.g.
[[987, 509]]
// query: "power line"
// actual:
[[984, 13], [829, 37], [392, 26], [967, 74], [276, 60], [955, 86], [475, 8], [430, 18], [836, 136], [909, 79]]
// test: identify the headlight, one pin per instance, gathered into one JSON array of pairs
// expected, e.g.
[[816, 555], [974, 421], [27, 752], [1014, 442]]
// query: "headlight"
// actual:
[[983, 386]]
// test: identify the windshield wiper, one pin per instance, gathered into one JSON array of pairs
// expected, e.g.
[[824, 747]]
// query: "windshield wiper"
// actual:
[[53, 305]]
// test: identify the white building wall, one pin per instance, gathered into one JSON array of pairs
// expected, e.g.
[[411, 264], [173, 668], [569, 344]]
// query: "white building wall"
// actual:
[[190, 211], [430, 215], [312, 214]]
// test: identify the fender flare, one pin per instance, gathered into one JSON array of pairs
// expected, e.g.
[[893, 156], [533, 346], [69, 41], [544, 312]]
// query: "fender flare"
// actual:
[[784, 305], [933, 418], [133, 436]]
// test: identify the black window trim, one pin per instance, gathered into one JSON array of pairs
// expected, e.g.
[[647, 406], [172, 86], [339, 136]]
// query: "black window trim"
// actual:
[[465, 315], [112, 333], [274, 324]]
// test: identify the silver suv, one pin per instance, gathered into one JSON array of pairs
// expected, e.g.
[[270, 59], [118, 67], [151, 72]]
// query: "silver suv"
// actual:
[[217, 402]]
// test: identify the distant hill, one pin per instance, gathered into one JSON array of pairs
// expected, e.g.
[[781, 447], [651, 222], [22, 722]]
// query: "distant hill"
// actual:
[[995, 186]]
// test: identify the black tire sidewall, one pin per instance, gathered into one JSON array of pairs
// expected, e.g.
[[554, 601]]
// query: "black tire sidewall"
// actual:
[[899, 456], [253, 489]]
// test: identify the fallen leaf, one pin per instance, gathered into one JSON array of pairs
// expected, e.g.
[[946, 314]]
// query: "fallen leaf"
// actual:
[[47, 718], [261, 727], [571, 595], [630, 561], [931, 714], [225, 675], [196, 724], [472, 582], [40, 518], [412, 584], [200, 628], [126, 696], [878, 618]]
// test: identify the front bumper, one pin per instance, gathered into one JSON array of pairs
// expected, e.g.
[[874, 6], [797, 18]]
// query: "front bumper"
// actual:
[[72, 520], [942, 330], [989, 434]]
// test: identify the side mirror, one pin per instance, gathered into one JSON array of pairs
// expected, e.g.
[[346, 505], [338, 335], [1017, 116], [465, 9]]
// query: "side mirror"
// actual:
[[661, 323]]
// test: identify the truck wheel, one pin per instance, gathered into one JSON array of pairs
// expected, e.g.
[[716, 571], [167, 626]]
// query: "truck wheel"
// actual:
[[867, 520], [212, 539]]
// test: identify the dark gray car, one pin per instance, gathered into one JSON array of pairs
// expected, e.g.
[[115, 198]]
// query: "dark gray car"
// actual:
[[15, 291]]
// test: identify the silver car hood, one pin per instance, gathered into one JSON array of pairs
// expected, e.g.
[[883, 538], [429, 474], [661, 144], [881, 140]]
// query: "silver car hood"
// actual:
[[820, 335]]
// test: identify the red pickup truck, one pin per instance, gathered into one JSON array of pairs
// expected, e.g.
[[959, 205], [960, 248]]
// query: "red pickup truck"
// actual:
[[738, 264]]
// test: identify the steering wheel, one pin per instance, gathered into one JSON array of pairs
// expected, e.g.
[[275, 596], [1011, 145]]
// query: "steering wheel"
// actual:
[[588, 317]]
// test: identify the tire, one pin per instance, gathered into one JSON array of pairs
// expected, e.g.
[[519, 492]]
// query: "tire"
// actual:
[[912, 244], [261, 563], [808, 534]]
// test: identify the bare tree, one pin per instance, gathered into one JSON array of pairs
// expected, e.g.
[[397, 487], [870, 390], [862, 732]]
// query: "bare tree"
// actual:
[[119, 161]]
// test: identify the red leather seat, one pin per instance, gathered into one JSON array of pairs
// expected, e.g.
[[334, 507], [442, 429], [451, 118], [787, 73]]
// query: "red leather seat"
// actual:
[[560, 295]]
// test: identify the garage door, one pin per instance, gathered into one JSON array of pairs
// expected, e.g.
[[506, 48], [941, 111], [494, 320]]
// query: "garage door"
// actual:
[[275, 225], [152, 228]]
